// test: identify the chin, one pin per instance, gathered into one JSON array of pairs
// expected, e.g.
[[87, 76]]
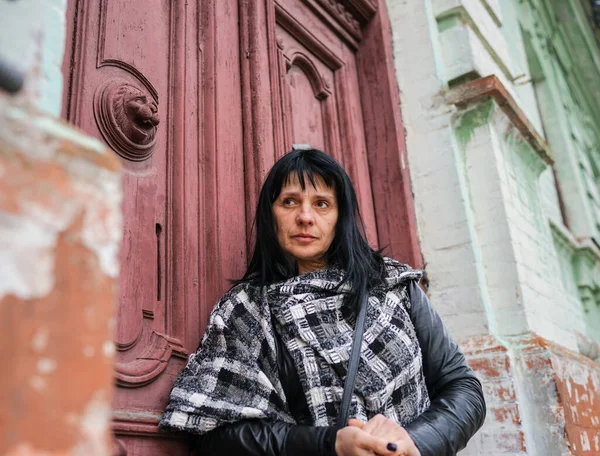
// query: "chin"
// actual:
[[302, 255]]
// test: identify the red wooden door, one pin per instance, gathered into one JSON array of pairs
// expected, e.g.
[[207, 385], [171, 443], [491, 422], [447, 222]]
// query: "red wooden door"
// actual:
[[199, 99]]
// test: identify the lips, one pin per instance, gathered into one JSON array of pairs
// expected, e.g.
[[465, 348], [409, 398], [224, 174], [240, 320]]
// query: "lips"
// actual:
[[304, 237]]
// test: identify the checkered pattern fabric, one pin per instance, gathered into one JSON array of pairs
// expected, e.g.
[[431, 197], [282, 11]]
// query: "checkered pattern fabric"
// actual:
[[234, 375]]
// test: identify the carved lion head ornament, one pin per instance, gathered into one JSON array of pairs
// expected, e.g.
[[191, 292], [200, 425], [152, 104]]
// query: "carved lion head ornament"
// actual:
[[136, 114], [127, 118]]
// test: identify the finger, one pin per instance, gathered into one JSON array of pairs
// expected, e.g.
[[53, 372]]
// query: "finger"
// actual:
[[384, 427], [356, 423], [401, 447], [377, 422], [380, 446]]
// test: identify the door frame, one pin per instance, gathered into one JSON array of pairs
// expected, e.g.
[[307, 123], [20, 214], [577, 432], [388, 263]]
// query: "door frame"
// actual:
[[370, 31]]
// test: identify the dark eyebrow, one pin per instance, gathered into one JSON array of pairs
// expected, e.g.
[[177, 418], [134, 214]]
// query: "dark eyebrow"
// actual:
[[324, 195], [296, 194]]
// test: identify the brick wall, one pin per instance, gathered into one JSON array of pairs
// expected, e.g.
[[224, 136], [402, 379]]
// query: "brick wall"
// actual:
[[542, 399], [503, 432], [578, 385]]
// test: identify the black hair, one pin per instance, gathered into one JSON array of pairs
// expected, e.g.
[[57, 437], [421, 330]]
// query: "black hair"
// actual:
[[350, 251]]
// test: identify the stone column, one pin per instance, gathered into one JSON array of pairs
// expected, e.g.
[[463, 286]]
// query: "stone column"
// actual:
[[60, 229]]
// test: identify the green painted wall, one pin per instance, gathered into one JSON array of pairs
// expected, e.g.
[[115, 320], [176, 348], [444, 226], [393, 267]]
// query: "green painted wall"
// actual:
[[563, 58]]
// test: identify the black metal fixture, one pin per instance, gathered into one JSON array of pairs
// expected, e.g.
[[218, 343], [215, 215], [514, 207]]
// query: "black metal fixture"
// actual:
[[596, 12], [11, 79]]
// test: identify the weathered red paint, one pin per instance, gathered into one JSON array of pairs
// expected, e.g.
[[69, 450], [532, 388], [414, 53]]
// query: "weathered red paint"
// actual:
[[386, 144], [560, 386], [236, 83], [491, 367], [301, 85], [578, 385]]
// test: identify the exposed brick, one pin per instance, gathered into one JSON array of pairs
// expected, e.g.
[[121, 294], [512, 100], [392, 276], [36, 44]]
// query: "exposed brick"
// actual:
[[578, 383], [503, 441], [561, 389], [584, 441], [504, 413], [502, 432], [501, 390], [491, 367]]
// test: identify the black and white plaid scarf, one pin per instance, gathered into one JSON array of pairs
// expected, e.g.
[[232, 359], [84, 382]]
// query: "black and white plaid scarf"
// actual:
[[234, 374]]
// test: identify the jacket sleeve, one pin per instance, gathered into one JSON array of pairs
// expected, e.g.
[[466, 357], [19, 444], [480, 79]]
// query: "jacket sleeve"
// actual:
[[457, 407], [267, 438]]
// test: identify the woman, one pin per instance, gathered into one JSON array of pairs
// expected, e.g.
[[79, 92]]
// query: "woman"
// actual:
[[269, 374]]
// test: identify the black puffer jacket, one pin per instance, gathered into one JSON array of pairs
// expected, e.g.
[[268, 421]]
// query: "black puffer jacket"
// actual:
[[457, 406]]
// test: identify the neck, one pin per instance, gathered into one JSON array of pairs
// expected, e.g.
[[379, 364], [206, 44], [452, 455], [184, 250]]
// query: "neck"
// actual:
[[310, 266]]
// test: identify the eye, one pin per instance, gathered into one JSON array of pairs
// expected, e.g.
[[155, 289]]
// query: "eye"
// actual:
[[288, 202], [322, 204]]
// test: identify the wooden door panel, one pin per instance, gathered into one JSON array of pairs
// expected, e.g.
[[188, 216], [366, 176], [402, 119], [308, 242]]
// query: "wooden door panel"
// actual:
[[127, 36], [306, 114], [353, 142], [129, 85], [121, 68], [310, 108], [133, 35]]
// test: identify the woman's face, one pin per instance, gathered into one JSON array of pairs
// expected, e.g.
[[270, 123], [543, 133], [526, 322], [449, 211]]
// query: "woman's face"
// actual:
[[305, 221]]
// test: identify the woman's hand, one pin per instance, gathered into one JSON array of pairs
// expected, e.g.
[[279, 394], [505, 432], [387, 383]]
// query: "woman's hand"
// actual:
[[383, 428], [353, 441]]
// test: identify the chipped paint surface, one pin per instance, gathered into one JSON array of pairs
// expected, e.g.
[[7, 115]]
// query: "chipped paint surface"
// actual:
[[39, 342], [542, 399], [503, 432], [46, 366], [101, 231], [108, 348], [27, 260], [94, 426], [60, 228], [578, 384]]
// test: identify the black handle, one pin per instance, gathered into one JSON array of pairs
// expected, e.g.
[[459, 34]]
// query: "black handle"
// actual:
[[11, 79]]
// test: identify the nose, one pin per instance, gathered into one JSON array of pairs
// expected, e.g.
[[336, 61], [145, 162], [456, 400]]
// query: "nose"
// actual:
[[305, 216]]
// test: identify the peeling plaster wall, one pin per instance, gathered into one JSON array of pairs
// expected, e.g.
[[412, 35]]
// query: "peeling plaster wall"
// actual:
[[453, 261], [524, 269], [60, 228], [553, 44]]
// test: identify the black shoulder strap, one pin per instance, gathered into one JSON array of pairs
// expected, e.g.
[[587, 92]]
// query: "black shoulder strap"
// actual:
[[353, 363]]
